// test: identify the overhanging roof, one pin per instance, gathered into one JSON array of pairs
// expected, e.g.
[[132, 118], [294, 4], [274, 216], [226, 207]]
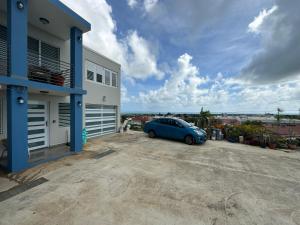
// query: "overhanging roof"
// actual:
[[61, 17]]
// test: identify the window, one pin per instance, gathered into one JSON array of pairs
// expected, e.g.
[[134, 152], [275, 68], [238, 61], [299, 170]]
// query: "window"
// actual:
[[50, 57], [90, 75], [64, 114], [114, 79], [3, 47], [107, 77], [99, 78], [1, 116]]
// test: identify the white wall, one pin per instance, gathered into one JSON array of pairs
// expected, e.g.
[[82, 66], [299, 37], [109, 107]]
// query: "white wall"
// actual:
[[96, 91]]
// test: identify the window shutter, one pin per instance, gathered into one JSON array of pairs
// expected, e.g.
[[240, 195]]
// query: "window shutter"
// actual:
[[3, 50], [64, 114]]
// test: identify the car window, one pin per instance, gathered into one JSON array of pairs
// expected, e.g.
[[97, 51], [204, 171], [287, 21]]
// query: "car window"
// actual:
[[184, 123]]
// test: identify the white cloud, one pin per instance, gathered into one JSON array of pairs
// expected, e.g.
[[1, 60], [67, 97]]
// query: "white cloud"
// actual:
[[181, 88], [142, 61], [187, 90], [132, 3], [133, 52], [256, 24], [150, 4], [278, 57]]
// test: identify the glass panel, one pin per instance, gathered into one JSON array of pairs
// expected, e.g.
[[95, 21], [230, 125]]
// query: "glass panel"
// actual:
[[36, 119], [92, 115], [36, 106], [36, 144], [114, 79], [90, 75], [52, 53], [107, 77], [99, 78], [39, 131]]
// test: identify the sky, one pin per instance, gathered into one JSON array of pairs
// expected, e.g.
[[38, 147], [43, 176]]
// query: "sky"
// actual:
[[235, 56]]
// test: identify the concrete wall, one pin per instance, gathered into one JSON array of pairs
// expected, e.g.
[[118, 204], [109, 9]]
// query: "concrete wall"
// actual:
[[96, 91]]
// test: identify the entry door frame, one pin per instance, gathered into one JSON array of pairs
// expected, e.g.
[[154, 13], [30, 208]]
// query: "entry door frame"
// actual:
[[46, 122]]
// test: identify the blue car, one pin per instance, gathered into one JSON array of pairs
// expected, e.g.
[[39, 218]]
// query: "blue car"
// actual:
[[173, 128]]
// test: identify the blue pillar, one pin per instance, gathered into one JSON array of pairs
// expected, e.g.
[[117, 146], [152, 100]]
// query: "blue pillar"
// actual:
[[17, 96], [76, 82]]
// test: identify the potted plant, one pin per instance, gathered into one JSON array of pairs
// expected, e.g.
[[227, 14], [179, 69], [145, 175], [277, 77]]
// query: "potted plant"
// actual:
[[282, 143], [272, 143], [292, 143]]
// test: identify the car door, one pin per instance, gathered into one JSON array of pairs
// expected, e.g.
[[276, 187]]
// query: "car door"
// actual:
[[176, 130], [161, 128]]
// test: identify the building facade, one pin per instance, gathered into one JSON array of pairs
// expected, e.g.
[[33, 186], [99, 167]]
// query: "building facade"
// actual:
[[53, 89]]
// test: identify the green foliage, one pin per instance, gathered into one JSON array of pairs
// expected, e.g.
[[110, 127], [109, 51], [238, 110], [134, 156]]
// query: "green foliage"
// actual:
[[249, 131], [203, 120], [255, 122]]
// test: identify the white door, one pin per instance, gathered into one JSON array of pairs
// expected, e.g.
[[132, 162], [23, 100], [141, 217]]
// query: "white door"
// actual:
[[37, 125], [100, 120]]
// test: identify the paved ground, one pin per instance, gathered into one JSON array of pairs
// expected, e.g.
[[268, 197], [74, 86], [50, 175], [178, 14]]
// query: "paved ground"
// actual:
[[160, 182]]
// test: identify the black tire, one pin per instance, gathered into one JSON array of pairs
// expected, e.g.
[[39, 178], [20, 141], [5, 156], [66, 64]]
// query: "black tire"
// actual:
[[151, 134], [189, 140]]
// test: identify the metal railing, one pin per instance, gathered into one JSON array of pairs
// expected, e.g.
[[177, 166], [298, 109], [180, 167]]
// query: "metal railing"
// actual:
[[41, 69], [46, 70]]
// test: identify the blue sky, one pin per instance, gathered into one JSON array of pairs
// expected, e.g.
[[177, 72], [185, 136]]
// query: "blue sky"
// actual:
[[224, 55]]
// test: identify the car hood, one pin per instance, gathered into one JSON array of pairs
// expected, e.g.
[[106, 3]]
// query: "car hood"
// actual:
[[198, 129]]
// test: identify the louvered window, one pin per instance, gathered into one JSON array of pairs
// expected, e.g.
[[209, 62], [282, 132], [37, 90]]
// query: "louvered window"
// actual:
[[52, 53], [1, 116], [3, 50], [33, 51], [64, 114]]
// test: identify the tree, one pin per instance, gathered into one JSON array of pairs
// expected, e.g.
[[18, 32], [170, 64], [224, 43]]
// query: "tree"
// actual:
[[204, 117], [278, 116]]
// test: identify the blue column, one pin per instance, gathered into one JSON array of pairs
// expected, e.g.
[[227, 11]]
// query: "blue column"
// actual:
[[17, 96], [76, 82]]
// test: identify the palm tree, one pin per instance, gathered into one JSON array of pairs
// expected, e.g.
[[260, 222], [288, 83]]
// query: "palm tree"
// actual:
[[203, 120], [279, 110]]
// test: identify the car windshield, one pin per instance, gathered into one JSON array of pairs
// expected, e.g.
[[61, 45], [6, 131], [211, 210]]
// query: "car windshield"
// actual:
[[184, 123]]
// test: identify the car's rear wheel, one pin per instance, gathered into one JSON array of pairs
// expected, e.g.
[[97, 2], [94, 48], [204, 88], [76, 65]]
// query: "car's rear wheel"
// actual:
[[189, 140], [151, 134]]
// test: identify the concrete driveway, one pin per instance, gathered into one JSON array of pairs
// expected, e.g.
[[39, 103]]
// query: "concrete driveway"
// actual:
[[159, 182]]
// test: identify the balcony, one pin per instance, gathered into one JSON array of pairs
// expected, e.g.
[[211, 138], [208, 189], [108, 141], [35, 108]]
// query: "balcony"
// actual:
[[50, 71], [41, 69]]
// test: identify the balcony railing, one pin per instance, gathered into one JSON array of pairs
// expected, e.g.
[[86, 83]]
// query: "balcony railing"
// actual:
[[41, 69], [46, 70]]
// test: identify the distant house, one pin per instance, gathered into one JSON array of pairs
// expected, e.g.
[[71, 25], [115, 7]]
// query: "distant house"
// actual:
[[284, 130], [139, 120]]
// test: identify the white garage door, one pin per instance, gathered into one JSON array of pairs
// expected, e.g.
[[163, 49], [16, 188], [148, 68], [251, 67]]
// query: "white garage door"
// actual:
[[100, 120]]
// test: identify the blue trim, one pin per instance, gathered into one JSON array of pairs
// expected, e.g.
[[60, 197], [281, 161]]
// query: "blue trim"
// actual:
[[17, 130], [71, 13], [76, 100], [17, 113], [76, 57], [40, 86], [76, 123]]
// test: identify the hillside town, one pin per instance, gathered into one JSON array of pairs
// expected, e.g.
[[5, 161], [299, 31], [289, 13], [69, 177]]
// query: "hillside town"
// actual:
[[267, 130]]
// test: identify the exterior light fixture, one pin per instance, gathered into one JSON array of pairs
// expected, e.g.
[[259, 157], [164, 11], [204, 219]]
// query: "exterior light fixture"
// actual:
[[20, 100], [104, 98], [79, 38], [79, 103], [20, 5], [44, 21]]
